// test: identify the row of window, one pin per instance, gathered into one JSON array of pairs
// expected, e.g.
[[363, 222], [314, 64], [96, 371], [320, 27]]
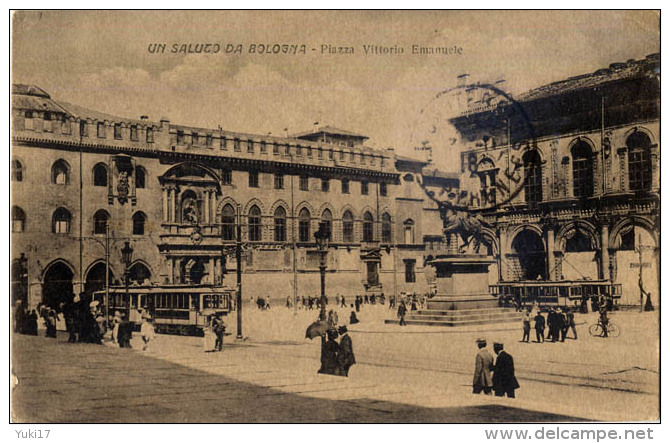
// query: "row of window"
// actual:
[[639, 168], [303, 183], [60, 174], [179, 138], [61, 221], [305, 234], [50, 121]]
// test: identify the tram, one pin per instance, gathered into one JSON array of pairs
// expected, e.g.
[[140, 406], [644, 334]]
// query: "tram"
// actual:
[[565, 293], [175, 309]]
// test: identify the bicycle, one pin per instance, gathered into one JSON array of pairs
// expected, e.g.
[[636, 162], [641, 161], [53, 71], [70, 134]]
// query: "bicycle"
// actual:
[[596, 330]]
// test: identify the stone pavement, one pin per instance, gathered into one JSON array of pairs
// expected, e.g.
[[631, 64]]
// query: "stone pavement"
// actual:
[[402, 375]]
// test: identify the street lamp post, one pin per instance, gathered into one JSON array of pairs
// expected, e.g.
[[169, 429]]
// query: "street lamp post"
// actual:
[[322, 237], [238, 259], [126, 258]]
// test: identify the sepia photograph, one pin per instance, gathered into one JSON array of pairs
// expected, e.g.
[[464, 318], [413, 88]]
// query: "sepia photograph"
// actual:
[[308, 216]]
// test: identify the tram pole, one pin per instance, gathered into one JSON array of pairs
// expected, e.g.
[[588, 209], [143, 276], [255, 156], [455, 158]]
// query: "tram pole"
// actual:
[[238, 258]]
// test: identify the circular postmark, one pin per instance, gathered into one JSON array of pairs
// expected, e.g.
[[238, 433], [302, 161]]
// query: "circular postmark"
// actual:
[[486, 135]]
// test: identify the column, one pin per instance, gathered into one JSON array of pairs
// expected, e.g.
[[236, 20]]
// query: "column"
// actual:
[[210, 269], [551, 262], [212, 206], [604, 253], [502, 243], [205, 215], [165, 204], [173, 206]]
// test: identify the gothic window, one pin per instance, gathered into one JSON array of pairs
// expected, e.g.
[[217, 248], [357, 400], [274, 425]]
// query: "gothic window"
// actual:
[[327, 220], [387, 236], [100, 175], [280, 224], [17, 171], [303, 225], [348, 227], [582, 170], [60, 221], [228, 222], [139, 220], [255, 224], [639, 161], [60, 173], [408, 230], [18, 219], [368, 227], [100, 220], [140, 177], [532, 170]]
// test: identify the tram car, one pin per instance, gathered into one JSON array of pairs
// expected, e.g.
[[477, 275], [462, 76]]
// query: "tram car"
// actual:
[[566, 293], [177, 309]]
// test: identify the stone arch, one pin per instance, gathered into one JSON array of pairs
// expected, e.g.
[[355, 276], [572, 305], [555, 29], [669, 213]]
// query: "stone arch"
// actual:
[[528, 258], [257, 202], [635, 220], [183, 168], [348, 207], [94, 279], [57, 283], [367, 208], [582, 139], [332, 210], [281, 203], [221, 204], [140, 269], [515, 231], [568, 230], [491, 237], [642, 129]]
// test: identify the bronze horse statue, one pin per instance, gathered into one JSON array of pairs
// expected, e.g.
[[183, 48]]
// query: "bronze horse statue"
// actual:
[[462, 223]]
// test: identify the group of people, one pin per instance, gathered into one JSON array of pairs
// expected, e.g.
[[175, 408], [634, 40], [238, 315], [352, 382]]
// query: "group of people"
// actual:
[[493, 376], [558, 323], [336, 358]]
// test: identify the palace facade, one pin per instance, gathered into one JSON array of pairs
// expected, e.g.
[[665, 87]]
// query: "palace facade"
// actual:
[[84, 183], [567, 176]]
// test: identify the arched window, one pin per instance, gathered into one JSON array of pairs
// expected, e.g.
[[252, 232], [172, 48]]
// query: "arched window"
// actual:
[[280, 224], [348, 227], [368, 227], [639, 161], [18, 219], [140, 177], [582, 170], [255, 233], [303, 225], [327, 220], [17, 171], [139, 220], [532, 171], [408, 227], [100, 175], [387, 232], [100, 220], [60, 222], [228, 222], [60, 172]]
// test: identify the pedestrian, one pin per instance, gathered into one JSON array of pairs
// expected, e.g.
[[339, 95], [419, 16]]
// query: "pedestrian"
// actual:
[[551, 315], [219, 331], [358, 304], [526, 327], [116, 325], [402, 311], [343, 302], [267, 302], [539, 327], [347, 359], [366, 300], [330, 354], [31, 323], [353, 319], [19, 316], [504, 381], [51, 324], [559, 324], [147, 331], [392, 302], [337, 300], [288, 302], [604, 321], [414, 302], [332, 318], [482, 381]]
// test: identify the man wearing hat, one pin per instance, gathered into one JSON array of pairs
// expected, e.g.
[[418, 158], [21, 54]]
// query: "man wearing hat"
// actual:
[[504, 381], [482, 380], [347, 358]]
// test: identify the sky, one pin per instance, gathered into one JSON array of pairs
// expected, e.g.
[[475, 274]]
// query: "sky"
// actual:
[[101, 60]]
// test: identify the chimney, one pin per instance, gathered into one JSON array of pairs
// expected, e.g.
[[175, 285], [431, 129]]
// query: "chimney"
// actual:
[[144, 117], [315, 128]]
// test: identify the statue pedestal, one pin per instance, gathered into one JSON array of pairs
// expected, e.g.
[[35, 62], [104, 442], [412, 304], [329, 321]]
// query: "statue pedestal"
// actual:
[[462, 282]]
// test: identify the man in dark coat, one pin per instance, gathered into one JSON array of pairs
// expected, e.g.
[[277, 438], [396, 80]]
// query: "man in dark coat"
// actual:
[[402, 311], [358, 304], [539, 327], [550, 323], [347, 358], [504, 381], [330, 354], [219, 329], [570, 324], [559, 326]]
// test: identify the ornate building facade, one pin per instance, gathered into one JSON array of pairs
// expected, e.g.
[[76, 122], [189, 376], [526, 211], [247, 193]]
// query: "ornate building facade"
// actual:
[[567, 177], [178, 193]]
